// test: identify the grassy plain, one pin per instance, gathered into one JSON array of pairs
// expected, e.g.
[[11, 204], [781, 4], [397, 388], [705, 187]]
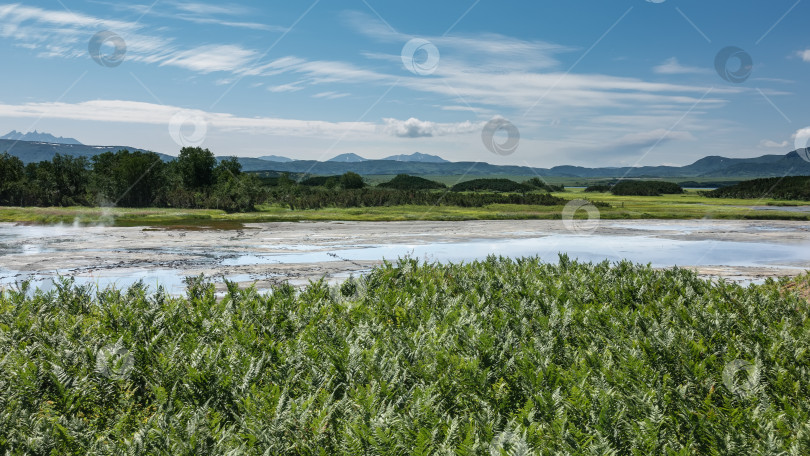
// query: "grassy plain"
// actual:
[[690, 205]]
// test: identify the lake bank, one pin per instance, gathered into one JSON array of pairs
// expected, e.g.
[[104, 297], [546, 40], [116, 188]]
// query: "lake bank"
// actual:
[[271, 253]]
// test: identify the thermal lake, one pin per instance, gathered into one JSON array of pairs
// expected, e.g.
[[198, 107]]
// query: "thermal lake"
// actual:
[[269, 253]]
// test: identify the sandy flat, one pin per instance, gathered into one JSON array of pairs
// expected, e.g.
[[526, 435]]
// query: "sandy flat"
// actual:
[[274, 252]]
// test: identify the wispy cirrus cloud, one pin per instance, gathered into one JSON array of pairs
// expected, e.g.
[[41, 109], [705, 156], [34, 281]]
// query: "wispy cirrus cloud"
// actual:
[[225, 15], [330, 95], [54, 33], [490, 72], [134, 112], [494, 51], [487, 70], [672, 66], [210, 58]]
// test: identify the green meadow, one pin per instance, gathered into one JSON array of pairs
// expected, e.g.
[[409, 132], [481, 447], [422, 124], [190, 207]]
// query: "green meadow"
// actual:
[[690, 205]]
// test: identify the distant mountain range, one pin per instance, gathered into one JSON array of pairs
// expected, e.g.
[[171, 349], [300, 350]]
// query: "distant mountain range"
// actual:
[[791, 164], [416, 157], [39, 137], [37, 151], [276, 158], [347, 158], [709, 167]]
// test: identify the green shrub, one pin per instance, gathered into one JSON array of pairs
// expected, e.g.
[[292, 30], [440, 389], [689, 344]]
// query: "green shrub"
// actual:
[[512, 355], [321, 181], [795, 188], [638, 188], [539, 184], [352, 181], [493, 185], [407, 182]]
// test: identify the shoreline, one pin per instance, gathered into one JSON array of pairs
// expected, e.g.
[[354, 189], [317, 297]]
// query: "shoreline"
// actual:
[[271, 253]]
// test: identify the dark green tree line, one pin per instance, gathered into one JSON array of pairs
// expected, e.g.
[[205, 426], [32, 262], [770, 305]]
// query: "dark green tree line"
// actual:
[[130, 179]]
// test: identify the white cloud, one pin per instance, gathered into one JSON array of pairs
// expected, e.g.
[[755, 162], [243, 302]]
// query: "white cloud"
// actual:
[[132, 112], [650, 138], [415, 128], [672, 66], [504, 73], [15, 15], [330, 95], [804, 55], [487, 75], [197, 13], [291, 87], [474, 73], [63, 34], [497, 52], [211, 10], [773, 144], [207, 59]]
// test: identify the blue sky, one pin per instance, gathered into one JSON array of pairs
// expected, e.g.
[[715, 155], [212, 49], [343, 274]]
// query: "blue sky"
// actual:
[[620, 82]]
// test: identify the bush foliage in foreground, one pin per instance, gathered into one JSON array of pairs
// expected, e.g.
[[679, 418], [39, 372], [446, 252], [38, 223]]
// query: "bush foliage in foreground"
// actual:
[[495, 357]]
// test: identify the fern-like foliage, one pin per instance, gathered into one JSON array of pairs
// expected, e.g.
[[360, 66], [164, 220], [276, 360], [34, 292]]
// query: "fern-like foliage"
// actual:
[[496, 357]]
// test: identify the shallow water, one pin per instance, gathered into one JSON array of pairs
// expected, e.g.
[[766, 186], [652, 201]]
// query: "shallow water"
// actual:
[[122, 258], [657, 251]]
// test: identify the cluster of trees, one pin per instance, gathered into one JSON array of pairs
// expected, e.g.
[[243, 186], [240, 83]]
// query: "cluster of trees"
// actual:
[[347, 181], [300, 197], [638, 188], [408, 182], [319, 192], [130, 179], [60, 182], [506, 186], [786, 188], [197, 180]]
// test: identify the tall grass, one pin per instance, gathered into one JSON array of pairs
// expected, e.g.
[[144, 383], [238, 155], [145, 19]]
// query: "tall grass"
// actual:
[[494, 357]]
